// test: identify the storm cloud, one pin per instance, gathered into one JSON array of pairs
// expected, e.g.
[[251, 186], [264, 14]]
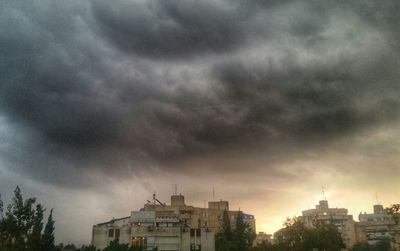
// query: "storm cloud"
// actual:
[[156, 80]]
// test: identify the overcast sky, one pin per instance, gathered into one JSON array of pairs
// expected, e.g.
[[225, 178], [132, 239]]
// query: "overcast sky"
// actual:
[[104, 102]]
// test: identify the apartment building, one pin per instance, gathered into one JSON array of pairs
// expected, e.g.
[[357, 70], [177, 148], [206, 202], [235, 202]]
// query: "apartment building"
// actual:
[[336, 216], [174, 227], [378, 226]]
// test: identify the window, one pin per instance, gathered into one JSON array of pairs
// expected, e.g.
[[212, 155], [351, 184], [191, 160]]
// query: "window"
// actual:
[[117, 233], [194, 247], [138, 241], [194, 232], [110, 232]]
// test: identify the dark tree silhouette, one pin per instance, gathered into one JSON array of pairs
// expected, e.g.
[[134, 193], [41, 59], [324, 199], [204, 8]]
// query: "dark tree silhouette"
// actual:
[[238, 239], [22, 224]]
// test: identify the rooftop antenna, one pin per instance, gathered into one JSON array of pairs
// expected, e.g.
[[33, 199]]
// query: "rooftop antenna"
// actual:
[[155, 200], [175, 189], [323, 194], [376, 197], [213, 194]]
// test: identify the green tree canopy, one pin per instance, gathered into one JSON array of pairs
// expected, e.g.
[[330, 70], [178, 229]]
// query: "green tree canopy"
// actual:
[[88, 248], [21, 226], [383, 245], [224, 238], [238, 239], [116, 246], [295, 236], [394, 212]]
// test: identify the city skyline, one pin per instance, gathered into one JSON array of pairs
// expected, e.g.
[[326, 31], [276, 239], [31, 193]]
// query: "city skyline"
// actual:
[[104, 102]]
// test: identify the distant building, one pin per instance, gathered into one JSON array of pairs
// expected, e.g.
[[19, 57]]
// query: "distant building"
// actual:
[[174, 227], [336, 216], [262, 237], [377, 226]]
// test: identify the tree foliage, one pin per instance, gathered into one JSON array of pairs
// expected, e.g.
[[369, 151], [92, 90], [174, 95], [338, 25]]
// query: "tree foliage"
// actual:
[[88, 248], [266, 246], [238, 239], [21, 226], [383, 245], [394, 212], [48, 234], [326, 237], [116, 246], [295, 236]]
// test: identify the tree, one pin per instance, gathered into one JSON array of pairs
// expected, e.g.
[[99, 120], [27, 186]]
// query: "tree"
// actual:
[[223, 239], [266, 246], [88, 248], [48, 235], [394, 212], [70, 247], [17, 223], [383, 245], [243, 234], [295, 236], [326, 237], [116, 246], [1, 208], [362, 246], [34, 240], [226, 225], [238, 239], [21, 226]]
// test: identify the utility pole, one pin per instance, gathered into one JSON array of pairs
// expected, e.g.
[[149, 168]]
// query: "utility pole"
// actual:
[[213, 193]]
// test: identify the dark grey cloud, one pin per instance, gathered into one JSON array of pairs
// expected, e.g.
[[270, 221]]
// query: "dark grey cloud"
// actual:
[[124, 85], [174, 29]]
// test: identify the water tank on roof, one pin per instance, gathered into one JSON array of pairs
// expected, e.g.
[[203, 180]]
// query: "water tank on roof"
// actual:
[[177, 200]]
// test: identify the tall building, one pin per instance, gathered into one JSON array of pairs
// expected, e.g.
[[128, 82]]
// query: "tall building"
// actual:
[[336, 216], [174, 227], [378, 226]]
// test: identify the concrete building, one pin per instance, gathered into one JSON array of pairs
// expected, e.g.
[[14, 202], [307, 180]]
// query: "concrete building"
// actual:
[[262, 237], [378, 226], [336, 216], [177, 226]]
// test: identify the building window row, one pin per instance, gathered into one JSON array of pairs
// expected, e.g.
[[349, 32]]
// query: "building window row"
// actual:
[[114, 233]]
